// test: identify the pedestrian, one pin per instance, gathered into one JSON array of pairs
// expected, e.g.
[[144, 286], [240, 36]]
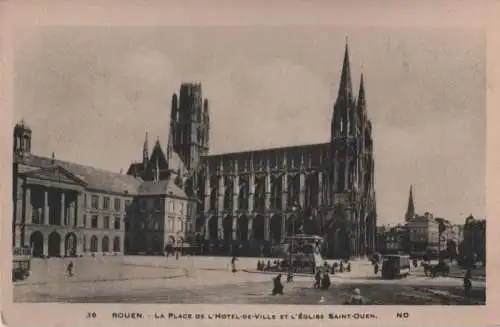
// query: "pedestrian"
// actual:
[[277, 286], [69, 269], [467, 283], [233, 264], [258, 265], [326, 283], [375, 267], [317, 278], [355, 298], [341, 268], [348, 269], [177, 255], [268, 265]]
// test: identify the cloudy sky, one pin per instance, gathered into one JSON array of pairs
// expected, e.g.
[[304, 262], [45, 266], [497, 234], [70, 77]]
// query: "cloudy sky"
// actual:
[[91, 93]]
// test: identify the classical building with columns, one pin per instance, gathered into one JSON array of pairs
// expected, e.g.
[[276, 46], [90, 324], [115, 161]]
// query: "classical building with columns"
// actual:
[[67, 209], [252, 199]]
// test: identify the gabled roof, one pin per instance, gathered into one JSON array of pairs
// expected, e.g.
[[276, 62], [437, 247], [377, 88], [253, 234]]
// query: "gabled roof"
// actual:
[[55, 173], [163, 187], [97, 179]]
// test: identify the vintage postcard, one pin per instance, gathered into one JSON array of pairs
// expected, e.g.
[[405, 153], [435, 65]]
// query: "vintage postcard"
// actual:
[[249, 163]]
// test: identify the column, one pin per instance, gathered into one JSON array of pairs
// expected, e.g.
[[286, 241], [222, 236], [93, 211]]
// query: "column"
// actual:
[[236, 194], [235, 227], [267, 225], [79, 243], [208, 190], [80, 210], [267, 191], [251, 193], [302, 189], [27, 206], [284, 203], [320, 189], [46, 208], [207, 230], [45, 245], [250, 227], [220, 228], [17, 236], [62, 246], [220, 207], [63, 209]]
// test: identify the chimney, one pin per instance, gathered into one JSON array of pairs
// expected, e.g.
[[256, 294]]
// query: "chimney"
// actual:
[[53, 158]]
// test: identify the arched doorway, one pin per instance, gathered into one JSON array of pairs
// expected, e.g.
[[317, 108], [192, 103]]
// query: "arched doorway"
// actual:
[[54, 244], [93, 244], [36, 243], [258, 228], [276, 229], [70, 245], [227, 226], [213, 228], [243, 228], [105, 244], [116, 244]]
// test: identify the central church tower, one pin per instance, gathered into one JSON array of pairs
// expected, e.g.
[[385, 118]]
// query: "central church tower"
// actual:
[[190, 125]]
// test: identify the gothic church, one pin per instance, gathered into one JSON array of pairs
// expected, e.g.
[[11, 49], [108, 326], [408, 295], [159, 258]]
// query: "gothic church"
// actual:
[[252, 199]]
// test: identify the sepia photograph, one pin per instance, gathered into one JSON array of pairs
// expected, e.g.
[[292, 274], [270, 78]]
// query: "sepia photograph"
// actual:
[[249, 165]]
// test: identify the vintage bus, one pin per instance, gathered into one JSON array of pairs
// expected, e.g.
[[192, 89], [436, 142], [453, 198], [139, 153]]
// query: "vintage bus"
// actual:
[[395, 266]]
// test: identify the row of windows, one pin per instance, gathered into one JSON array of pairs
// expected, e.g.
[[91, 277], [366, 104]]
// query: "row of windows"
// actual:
[[106, 222], [106, 201], [174, 206], [181, 226]]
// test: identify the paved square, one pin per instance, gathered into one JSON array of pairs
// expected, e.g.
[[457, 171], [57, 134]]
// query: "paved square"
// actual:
[[210, 280]]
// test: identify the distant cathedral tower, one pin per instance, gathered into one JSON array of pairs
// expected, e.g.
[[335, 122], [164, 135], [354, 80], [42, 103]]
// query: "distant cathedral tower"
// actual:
[[190, 125]]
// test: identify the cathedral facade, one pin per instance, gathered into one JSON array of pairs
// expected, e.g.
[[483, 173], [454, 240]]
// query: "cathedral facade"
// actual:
[[253, 199]]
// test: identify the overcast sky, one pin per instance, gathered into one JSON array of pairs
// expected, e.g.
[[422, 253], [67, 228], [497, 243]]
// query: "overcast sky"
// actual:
[[90, 94]]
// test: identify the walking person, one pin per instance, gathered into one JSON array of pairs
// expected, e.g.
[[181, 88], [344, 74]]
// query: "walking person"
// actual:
[[277, 286], [69, 269], [233, 264]]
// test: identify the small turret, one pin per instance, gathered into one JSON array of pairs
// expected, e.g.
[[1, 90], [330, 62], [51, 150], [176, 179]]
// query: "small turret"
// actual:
[[22, 139]]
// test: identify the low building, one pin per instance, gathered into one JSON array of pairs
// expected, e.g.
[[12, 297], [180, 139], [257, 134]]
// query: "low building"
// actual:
[[160, 218]]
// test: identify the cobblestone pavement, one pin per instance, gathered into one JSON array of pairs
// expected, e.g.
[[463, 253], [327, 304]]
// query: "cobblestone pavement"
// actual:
[[208, 280]]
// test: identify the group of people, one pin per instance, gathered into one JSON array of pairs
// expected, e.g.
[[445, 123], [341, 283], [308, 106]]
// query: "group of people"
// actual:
[[262, 266]]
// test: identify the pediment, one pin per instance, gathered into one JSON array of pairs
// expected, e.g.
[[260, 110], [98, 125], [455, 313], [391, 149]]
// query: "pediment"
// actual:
[[56, 174]]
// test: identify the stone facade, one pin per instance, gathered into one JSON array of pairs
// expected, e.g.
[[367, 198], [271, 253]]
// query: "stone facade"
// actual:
[[258, 197], [66, 209]]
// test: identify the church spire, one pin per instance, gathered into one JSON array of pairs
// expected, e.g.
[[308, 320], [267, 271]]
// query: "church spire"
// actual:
[[361, 95], [145, 151], [410, 211], [345, 87]]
